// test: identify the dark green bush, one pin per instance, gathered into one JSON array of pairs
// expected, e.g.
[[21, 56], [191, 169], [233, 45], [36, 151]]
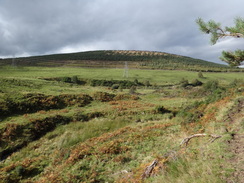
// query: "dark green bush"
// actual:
[[110, 83], [211, 85], [161, 110], [196, 83], [184, 82], [75, 80], [115, 86], [66, 79], [136, 82], [20, 170]]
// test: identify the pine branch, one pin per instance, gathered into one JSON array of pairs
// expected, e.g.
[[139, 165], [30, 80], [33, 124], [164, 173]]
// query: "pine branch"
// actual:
[[236, 35], [216, 32], [233, 58]]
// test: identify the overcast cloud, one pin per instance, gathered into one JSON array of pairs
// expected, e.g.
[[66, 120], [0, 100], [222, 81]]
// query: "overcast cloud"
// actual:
[[37, 27]]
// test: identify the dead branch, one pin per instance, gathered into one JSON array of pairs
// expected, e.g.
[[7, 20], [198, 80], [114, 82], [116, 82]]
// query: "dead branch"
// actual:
[[214, 137], [149, 169], [186, 140]]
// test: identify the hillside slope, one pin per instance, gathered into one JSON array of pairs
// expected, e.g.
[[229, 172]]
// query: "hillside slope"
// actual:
[[53, 131], [117, 59]]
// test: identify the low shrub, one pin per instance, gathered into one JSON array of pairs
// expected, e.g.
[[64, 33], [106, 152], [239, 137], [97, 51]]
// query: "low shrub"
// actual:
[[161, 110], [66, 79], [103, 96], [184, 83], [30, 103], [115, 86], [115, 83], [211, 85], [200, 75], [75, 80], [196, 82]]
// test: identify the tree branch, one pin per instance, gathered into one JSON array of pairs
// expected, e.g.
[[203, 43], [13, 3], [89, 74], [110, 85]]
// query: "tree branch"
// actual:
[[237, 35]]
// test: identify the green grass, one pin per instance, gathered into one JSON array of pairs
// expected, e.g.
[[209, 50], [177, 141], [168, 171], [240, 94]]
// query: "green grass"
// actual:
[[130, 134], [154, 76]]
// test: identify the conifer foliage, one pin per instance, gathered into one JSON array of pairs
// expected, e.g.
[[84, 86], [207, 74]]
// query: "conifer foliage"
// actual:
[[233, 58]]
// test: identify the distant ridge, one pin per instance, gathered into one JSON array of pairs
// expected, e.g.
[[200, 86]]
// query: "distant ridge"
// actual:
[[116, 59]]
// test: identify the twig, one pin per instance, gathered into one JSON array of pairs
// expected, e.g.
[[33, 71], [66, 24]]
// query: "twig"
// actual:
[[186, 140], [149, 169]]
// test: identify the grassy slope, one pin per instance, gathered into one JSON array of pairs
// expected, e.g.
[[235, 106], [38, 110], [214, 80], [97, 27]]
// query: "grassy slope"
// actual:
[[115, 147], [116, 59]]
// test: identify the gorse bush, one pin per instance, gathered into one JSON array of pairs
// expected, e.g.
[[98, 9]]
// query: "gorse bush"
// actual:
[[115, 84], [211, 85], [66, 79], [75, 79], [196, 82], [200, 75], [162, 110], [184, 83]]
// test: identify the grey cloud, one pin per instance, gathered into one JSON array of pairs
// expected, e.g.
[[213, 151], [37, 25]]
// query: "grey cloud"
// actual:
[[51, 26]]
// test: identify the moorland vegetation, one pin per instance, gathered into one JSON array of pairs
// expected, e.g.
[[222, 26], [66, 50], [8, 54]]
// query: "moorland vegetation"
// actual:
[[87, 124]]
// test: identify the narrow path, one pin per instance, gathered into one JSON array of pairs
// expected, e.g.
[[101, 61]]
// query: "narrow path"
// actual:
[[237, 144], [237, 162]]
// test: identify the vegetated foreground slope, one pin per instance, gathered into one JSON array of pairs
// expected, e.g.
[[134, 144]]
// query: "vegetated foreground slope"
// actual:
[[116, 59], [56, 131]]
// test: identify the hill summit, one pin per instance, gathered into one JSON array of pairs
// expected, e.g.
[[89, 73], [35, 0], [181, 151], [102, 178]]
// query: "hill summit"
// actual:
[[117, 59]]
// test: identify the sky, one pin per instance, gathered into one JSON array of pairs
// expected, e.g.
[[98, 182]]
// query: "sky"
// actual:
[[39, 27]]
